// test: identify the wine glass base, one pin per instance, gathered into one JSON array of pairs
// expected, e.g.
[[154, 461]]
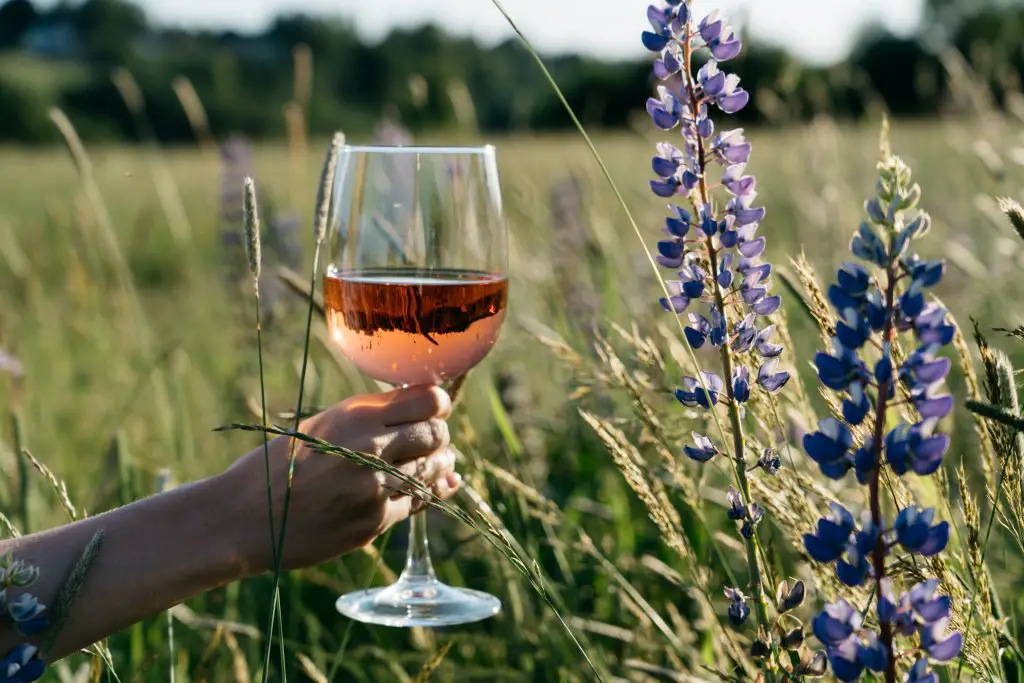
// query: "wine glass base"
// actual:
[[418, 603]]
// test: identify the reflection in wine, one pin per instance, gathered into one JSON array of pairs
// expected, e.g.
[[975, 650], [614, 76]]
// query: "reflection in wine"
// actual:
[[414, 326]]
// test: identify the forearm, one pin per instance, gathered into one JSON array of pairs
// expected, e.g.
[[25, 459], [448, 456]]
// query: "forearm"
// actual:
[[156, 552]]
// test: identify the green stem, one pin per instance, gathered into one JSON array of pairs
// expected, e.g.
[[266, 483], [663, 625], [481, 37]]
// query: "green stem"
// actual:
[[279, 560], [18, 432], [728, 363], [270, 497]]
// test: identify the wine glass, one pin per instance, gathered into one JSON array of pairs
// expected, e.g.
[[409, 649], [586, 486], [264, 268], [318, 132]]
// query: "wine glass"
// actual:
[[415, 293]]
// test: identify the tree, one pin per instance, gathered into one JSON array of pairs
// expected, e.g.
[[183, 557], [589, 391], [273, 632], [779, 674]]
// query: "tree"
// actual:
[[109, 28], [15, 18]]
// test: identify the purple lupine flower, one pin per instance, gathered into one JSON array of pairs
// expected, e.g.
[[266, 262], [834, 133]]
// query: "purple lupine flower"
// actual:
[[830, 448], [702, 450], [920, 673], [22, 665], [738, 608], [713, 246], [915, 532], [737, 510], [700, 393], [868, 318]]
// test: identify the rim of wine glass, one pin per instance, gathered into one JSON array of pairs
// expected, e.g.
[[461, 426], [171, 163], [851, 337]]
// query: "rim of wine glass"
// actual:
[[416, 149]]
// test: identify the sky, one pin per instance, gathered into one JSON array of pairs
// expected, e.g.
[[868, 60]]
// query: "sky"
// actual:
[[820, 31]]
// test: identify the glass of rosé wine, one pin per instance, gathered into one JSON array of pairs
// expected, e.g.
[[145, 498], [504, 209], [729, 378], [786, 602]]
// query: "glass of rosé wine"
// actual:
[[415, 293]]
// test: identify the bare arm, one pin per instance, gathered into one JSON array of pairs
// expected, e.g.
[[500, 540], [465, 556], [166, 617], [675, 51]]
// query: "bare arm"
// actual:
[[156, 552], [164, 549]]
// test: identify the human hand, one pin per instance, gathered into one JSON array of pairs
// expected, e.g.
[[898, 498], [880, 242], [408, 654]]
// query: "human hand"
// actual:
[[338, 505]]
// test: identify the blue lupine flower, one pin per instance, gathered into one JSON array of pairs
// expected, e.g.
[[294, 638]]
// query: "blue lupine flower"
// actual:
[[666, 110], [693, 278], [856, 405], [679, 225], [914, 531], [915, 448], [737, 510], [27, 614], [21, 665], [744, 334], [867, 318], [730, 147], [741, 384], [832, 536], [852, 329], [899, 613], [698, 331], [719, 37], [865, 460], [693, 393], [872, 653], [920, 673], [867, 245], [754, 514], [855, 568], [725, 273], [670, 253], [702, 450], [941, 645], [838, 371], [716, 251], [837, 623], [666, 164], [845, 660], [830, 447], [928, 606], [657, 39], [763, 347], [738, 609], [744, 214], [718, 332], [770, 380]]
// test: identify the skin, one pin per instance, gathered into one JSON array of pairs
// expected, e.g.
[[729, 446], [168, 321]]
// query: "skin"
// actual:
[[169, 547]]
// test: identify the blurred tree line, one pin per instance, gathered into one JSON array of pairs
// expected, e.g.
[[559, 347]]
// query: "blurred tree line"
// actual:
[[65, 56]]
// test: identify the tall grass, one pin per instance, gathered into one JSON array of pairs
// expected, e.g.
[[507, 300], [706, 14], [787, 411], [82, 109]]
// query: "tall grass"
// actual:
[[128, 331]]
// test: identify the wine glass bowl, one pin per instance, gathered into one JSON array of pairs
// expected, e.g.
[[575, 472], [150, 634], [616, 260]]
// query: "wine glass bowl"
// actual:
[[415, 292]]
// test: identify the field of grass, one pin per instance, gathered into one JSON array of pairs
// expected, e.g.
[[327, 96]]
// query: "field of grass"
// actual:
[[121, 297]]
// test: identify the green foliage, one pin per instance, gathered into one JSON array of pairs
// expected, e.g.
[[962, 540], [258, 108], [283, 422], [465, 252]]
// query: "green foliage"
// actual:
[[244, 80]]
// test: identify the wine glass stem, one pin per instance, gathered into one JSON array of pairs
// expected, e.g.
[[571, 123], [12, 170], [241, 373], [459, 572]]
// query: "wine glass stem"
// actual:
[[418, 567]]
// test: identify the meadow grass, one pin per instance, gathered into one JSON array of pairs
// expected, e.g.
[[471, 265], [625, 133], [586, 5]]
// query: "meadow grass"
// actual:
[[129, 367]]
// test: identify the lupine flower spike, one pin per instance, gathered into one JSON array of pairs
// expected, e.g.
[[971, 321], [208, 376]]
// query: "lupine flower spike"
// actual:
[[29, 617], [877, 299], [712, 249]]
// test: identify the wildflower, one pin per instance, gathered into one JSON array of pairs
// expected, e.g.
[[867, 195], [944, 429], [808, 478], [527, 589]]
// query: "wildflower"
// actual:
[[738, 609], [21, 665], [915, 532], [873, 312], [832, 535], [27, 614], [703, 393], [702, 450], [830, 448], [715, 251]]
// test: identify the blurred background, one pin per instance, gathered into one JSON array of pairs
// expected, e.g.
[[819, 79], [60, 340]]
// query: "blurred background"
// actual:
[[126, 310], [439, 64]]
